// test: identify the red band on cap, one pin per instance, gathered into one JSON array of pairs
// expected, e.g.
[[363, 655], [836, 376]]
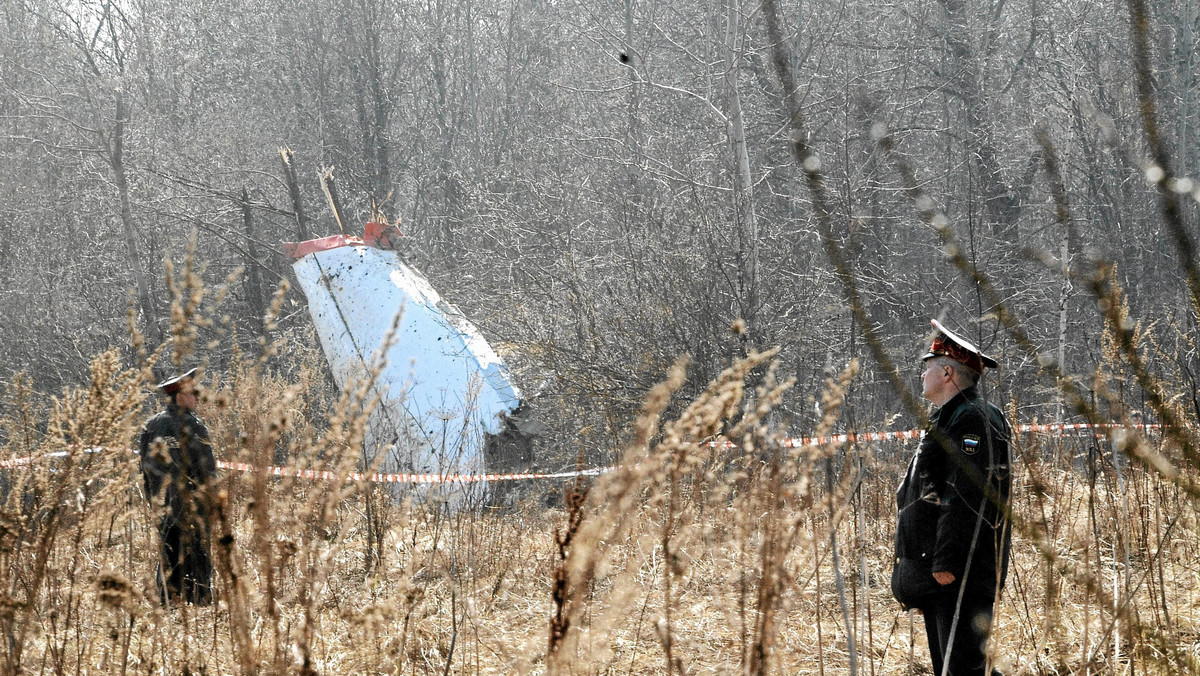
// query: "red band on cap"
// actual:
[[944, 347]]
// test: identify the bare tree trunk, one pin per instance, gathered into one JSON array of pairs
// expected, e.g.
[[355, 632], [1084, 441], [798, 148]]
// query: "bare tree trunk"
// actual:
[[632, 133], [117, 160], [380, 121], [447, 175], [1064, 250], [635, 196], [293, 184], [743, 192], [1001, 205], [366, 26], [472, 73], [329, 187], [1186, 64], [254, 294], [376, 119]]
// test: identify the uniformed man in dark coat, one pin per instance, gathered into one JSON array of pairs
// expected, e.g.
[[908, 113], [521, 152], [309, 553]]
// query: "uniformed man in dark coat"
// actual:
[[178, 469], [952, 532]]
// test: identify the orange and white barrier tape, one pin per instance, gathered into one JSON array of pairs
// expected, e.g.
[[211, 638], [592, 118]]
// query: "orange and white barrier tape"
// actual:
[[804, 442], [406, 478], [326, 475], [1063, 427], [30, 459], [413, 478]]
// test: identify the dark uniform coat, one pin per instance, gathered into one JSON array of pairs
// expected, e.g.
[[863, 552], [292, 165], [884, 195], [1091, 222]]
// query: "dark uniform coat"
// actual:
[[944, 507], [177, 467], [949, 520]]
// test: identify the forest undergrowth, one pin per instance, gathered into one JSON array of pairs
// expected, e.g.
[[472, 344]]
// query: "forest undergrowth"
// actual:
[[739, 556], [713, 546]]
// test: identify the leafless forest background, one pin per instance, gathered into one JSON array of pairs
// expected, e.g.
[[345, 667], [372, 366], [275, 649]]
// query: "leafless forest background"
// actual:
[[787, 190]]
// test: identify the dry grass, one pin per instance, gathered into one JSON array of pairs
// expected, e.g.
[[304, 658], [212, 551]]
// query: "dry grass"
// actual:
[[688, 559], [692, 557]]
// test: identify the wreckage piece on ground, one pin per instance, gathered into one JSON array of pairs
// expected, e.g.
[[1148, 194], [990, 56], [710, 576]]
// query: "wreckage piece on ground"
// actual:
[[444, 394]]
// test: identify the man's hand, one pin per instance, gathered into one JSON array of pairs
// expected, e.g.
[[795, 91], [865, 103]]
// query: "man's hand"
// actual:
[[943, 577]]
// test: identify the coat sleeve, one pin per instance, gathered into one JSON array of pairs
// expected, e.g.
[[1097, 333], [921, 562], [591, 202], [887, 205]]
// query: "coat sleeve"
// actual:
[[203, 460], [153, 470], [964, 505]]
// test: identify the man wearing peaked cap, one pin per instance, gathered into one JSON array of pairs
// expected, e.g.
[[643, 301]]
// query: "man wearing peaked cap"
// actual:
[[952, 532], [178, 468]]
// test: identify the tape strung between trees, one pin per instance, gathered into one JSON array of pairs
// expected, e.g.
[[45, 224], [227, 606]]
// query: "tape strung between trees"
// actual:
[[1099, 430]]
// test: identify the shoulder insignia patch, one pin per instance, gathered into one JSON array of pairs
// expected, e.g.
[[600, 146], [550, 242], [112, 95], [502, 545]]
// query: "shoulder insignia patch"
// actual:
[[970, 443]]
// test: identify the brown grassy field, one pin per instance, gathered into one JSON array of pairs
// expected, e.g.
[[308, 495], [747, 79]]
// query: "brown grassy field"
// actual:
[[688, 558]]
